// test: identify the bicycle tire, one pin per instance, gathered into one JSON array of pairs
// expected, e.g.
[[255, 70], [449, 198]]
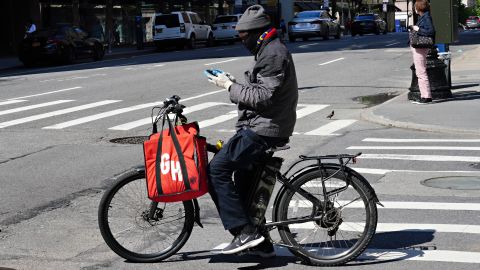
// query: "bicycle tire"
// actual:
[[124, 217], [336, 223]]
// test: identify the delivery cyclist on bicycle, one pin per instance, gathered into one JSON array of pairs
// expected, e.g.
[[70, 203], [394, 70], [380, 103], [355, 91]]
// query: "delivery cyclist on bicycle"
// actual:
[[266, 103]]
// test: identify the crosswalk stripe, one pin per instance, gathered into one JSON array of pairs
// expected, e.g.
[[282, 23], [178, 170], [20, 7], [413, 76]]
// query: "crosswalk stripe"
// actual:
[[30, 107], [420, 255], [394, 227], [399, 205], [12, 101], [412, 254], [101, 115], [218, 119], [330, 128], [309, 109], [47, 93], [55, 113], [384, 171], [421, 157], [148, 120], [418, 140], [449, 148]]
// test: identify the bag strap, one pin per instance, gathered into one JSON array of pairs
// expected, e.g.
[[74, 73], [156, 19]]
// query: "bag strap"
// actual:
[[181, 157]]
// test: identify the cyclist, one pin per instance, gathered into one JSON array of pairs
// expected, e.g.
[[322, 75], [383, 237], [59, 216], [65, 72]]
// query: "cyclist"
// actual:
[[266, 104]]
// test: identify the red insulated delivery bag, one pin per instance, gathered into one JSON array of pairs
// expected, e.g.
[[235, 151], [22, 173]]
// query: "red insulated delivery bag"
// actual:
[[176, 163]]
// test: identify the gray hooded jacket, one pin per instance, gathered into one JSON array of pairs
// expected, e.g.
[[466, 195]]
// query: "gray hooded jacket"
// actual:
[[267, 101]]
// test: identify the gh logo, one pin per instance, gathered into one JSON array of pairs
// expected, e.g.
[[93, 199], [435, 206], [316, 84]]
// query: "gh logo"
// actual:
[[168, 166]]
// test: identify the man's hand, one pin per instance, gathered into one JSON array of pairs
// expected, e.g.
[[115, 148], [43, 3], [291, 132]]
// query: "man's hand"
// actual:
[[415, 28], [222, 80]]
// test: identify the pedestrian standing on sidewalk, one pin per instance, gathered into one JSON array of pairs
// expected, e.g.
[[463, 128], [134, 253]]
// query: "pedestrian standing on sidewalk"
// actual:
[[424, 27], [266, 103]]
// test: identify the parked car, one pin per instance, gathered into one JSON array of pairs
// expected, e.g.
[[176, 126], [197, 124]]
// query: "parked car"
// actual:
[[181, 28], [63, 44], [472, 22], [224, 28], [313, 23], [368, 23]]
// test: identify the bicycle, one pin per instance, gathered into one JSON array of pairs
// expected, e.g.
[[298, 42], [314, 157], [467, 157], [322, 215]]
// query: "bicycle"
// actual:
[[324, 199]]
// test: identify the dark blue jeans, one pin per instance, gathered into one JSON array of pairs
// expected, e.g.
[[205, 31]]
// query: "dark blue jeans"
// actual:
[[240, 154]]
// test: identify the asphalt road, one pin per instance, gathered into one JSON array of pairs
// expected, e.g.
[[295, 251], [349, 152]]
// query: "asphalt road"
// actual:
[[56, 157]]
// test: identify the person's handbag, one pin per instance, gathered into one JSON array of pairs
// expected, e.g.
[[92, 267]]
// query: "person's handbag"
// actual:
[[418, 41], [176, 163]]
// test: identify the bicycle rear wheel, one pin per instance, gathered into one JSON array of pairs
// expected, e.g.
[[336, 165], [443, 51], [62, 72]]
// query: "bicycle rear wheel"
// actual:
[[138, 229], [348, 224]]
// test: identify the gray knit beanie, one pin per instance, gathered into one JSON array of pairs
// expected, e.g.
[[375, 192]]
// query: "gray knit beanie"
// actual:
[[253, 18]]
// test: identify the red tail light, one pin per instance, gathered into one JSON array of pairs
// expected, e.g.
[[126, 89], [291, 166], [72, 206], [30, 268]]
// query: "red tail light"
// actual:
[[182, 28]]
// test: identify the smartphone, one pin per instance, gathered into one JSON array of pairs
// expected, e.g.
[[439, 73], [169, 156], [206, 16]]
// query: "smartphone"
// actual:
[[212, 72]]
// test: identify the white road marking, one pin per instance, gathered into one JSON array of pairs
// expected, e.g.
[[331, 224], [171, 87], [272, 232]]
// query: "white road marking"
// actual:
[[30, 107], [421, 255], [421, 157], [47, 93], [418, 140], [326, 63], [397, 204], [394, 227], [55, 113], [309, 109], [385, 171], [328, 129], [218, 119], [203, 95], [12, 101], [159, 65], [391, 44], [148, 120], [214, 63], [449, 148], [306, 45]]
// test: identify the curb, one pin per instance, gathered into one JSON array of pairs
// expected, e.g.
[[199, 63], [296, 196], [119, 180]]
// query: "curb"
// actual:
[[370, 116]]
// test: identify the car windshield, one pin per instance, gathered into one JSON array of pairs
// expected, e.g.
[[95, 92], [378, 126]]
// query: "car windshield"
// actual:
[[170, 20], [364, 18], [308, 14], [226, 19]]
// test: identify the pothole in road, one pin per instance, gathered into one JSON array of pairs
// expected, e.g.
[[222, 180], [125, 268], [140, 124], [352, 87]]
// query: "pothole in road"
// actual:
[[373, 100], [130, 140], [475, 165], [454, 182]]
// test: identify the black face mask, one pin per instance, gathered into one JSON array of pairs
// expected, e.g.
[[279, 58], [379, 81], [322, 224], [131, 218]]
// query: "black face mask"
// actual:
[[251, 42]]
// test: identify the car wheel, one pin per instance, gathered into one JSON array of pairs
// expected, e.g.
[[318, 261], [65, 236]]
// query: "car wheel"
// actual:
[[339, 34], [291, 38], [326, 35], [210, 40], [27, 62], [68, 55], [98, 52], [191, 42]]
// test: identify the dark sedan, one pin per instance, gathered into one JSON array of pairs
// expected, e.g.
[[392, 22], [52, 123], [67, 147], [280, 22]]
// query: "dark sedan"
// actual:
[[63, 45], [368, 23]]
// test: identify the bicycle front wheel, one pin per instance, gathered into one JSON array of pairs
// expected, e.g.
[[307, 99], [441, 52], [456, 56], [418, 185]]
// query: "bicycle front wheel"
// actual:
[[138, 229], [348, 221]]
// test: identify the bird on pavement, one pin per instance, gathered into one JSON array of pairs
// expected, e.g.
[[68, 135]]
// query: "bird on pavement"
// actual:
[[330, 115]]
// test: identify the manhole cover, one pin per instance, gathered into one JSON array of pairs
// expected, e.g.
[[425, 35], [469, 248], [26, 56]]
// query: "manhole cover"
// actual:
[[130, 140], [454, 182]]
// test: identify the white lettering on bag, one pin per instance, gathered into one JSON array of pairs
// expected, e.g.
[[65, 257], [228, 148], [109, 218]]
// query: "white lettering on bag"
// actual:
[[169, 166]]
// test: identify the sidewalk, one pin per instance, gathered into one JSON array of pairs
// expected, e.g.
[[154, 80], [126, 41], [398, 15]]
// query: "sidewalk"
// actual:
[[459, 115], [9, 62]]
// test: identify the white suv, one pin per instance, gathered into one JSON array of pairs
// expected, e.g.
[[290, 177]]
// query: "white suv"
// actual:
[[224, 28], [181, 28]]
